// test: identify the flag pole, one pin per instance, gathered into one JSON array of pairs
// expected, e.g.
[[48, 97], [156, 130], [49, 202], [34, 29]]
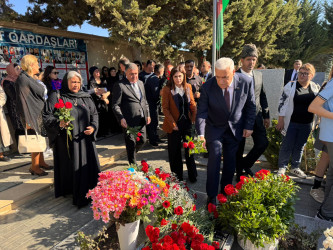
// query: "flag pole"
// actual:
[[214, 37]]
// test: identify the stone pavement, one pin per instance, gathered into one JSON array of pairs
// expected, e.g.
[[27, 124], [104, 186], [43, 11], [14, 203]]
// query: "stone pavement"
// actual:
[[43, 222]]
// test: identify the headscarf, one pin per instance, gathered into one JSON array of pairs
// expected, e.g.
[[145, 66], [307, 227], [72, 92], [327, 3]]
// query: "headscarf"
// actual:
[[12, 73], [67, 93]]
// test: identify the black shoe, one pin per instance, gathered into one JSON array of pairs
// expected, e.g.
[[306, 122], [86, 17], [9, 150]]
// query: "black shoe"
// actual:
[[211, 200], [154, 144], [159, 140], [193, 179], [322, 217], [248, 171], [5, 158]]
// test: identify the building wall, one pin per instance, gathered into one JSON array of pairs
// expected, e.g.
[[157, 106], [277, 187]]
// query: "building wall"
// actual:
[[101, 51]]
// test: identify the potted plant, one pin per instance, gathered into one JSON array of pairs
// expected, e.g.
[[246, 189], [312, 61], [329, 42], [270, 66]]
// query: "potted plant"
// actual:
[[124, 197], [259, 210]]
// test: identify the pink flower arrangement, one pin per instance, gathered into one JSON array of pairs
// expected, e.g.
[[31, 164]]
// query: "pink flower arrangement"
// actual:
[[123, 191]]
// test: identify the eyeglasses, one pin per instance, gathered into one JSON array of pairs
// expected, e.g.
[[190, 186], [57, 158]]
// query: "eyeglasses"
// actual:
[[303, 74], [55, 72]]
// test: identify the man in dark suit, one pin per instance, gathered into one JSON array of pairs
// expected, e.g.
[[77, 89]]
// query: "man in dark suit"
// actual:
[[205, 73], [153, 87], [249, 58], [292, 74], [131, 109], [226, 114]]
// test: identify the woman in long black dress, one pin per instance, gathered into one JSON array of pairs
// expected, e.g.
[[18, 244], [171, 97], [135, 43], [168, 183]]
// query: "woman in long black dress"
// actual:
[[76, 171], [100, 97]]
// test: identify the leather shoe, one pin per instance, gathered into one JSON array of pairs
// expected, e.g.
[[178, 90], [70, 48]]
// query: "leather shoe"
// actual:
[[47, 167], [211, 200], [248, 171], [154, 144], [159, 140]]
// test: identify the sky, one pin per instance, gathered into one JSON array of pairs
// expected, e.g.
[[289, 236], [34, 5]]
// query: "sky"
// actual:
[[20, 6]]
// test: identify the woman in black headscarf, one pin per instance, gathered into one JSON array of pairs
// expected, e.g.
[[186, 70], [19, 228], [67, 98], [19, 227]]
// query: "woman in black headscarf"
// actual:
[[30, 103], [75, 169]]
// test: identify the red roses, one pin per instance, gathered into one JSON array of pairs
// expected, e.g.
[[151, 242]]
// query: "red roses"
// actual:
[[178, 210], [221, 198], [189, 145], [262, 174]]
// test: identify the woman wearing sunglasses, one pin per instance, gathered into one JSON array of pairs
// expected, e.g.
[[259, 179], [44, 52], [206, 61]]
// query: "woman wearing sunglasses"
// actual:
[[50, 78]]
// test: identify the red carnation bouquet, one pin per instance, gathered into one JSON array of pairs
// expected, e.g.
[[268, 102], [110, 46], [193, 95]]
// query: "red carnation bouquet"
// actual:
[[135, 131], [195, 146], [63, 112]]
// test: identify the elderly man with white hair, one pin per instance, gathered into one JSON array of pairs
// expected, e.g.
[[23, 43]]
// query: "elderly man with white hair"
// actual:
[[226, 114]]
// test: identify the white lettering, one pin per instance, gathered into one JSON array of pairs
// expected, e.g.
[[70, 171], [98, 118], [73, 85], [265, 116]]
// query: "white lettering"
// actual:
[[13, 37], [59, 45], [46, 41], [31, 38], [75, 44], [53, 41], [71, 44], [65, 43], [39, 40], [1, 34], [23, 38]]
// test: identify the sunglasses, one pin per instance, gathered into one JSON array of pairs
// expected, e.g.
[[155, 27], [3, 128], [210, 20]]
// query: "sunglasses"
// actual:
[[55, 72]]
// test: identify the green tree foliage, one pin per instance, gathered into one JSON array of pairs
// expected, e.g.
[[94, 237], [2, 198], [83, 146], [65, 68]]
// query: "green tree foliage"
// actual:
[[58, 13], [259, 22], [6, 12], [305, 42]]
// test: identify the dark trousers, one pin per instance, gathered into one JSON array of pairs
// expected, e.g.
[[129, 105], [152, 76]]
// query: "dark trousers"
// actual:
[[230, 146], [260, 143], [152, 127], [175, 154], [132, 146]]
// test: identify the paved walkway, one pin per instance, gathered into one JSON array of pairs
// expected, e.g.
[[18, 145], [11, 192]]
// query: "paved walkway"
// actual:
[[43, 222]]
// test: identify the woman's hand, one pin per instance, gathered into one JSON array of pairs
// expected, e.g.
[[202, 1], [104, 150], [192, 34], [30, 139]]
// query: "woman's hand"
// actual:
[[63, 124], [176, 128], [280, 124], [89, 131]]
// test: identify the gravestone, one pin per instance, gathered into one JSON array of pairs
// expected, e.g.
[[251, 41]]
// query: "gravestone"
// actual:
[[319, 78], [273, 84]]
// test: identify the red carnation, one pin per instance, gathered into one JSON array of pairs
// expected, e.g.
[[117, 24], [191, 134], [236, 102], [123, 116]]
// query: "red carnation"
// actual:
[[262, 174], [167, 240], [164, 222], [239, 185], [216, 214], [61, 101], [174, 226], [244, 179], [166, 204], [221, 198], [191, 145], [138, 139], [157, 171], [139, 134], [211, 208], [146, 248], [229, 189], [61, 104], [68, 105], [144, 169], [185, 145], [216, 244], [57, 106], [194, 207], [178, 210]]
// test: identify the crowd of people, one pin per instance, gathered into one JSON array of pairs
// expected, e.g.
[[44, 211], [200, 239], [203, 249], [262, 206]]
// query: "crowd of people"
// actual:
[[221, 110]]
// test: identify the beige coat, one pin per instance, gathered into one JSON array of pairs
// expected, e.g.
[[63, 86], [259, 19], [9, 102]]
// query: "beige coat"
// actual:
[[5, 134]]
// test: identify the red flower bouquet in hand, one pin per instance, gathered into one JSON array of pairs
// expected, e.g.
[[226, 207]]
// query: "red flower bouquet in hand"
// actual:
[[195, 146], [63, 113]]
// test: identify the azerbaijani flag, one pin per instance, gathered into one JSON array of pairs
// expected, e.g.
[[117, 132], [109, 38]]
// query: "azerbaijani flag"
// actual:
[[221, 6]]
